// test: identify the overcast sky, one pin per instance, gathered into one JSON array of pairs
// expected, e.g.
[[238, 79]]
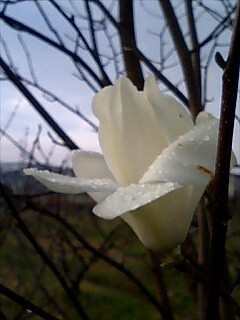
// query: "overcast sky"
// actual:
[[55, 72]]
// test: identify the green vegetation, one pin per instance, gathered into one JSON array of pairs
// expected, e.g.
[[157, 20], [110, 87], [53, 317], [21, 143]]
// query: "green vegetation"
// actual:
[[103, 290]]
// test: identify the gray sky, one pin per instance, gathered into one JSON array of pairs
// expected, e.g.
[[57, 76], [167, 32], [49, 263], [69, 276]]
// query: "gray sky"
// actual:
[[55, 72]]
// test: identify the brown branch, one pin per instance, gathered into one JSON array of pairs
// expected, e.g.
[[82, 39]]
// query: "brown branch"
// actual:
[[119, 266], [159, 278], [196, 62], [142, 57], [191, 266], [24, 28], [26, 304], [94, 52], [16, 81], [29, 236], [221, 215], [132, 63], [184, 57], [50, 96]]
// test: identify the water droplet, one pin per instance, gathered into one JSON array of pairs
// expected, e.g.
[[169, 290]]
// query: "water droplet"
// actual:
[[206, 138]]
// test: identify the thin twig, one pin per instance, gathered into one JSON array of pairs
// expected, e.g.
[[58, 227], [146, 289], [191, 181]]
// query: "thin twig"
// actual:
[[119, 266], [24, 229], [15, 80], [17, 25], [142, 57], [185, 58], [10, 294]]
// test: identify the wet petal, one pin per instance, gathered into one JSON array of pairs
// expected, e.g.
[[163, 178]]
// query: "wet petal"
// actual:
[[90, 165], [71, 185], [131, 198], [172, 116], [163, 224], [190, 159], [128, 131]]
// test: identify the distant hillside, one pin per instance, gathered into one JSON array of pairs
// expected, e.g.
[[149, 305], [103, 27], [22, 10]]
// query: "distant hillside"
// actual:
[[12, 176], [11, 166]]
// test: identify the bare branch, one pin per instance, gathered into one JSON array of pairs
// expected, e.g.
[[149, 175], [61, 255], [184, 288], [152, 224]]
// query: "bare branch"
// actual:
[[192, 86], [24, 28], [15, 80], [25, 303], [119, 266], [29, 59], [29, 236], [94, 52], [14, 142], [142, 57], [132, 63], [196, 63], [221, 215]]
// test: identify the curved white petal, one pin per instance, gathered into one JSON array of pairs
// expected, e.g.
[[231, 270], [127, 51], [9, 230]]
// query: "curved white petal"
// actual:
[[91, 165], [65, 184], [163, 224], [204, 117], [172, 116], [132, 197], [190, 159], [129, 133]]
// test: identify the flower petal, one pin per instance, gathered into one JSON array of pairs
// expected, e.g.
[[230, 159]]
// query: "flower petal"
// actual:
[[131, 198], [172, 116], [190, 159], [128, 131], [70, 185], [91, 165], [163, 224]]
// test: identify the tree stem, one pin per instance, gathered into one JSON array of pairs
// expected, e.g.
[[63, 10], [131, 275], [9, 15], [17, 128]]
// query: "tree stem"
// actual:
[[220, 214]]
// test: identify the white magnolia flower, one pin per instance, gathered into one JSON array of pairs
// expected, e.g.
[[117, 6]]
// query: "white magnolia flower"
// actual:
[[155, 165]]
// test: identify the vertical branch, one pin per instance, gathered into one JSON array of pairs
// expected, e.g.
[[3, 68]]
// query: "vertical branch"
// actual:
[[162, 290], [194, 44], [221, 216], [132, 62], [184, 57], [203, 212], [141, 56], [203, 227]]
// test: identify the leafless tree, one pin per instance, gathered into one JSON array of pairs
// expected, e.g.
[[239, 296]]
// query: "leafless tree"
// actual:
[[102, 40]]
